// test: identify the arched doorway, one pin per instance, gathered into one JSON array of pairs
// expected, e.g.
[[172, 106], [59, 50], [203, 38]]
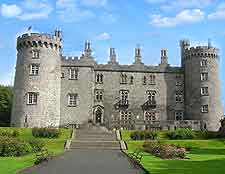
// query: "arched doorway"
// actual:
[[98, 116]]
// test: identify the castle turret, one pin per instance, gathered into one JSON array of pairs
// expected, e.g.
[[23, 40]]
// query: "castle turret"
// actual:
[[112, 56], [184, 44], [37, 83], [164, 57], [202, 84], [137, 57]]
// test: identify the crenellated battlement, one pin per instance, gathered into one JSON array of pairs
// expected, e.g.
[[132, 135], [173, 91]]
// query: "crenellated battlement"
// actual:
[[39, 40], [201, 51]]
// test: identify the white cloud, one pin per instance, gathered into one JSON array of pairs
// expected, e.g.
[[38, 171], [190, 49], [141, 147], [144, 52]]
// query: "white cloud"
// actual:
[[184, 4], [10, 11], [27, 10], [95, 3], [183, 17], [219, 14], [104, 36], [69, 11]]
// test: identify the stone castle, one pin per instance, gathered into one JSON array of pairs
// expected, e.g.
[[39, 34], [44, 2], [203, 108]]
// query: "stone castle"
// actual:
[[52, 90]]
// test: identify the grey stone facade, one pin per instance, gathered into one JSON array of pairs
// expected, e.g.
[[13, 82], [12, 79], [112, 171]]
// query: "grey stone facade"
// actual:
[[74, 90]]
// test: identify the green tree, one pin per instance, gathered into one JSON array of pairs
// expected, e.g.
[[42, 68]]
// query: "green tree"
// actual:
[[5, 105]]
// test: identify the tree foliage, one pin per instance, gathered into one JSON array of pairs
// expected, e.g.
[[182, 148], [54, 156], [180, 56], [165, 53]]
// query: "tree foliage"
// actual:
[[5, 105]]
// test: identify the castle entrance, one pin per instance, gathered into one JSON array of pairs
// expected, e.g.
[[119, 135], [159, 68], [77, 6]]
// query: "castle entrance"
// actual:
[[98, 116]]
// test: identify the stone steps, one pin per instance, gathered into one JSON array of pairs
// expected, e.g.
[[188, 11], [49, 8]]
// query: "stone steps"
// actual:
[[95, 139]]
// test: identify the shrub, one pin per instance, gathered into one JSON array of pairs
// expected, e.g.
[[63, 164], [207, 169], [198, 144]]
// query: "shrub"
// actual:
[[9, 132], [36, 145], [164, 150], [184, 133], [46, 132], [13, 147], [143, 135]]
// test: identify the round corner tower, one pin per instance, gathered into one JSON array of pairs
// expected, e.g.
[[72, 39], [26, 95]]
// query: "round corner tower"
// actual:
[[37, 82], [202, 84]]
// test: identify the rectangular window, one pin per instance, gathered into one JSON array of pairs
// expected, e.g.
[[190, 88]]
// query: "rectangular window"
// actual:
[[31, 98], [203, 63], [73, 74], [99, 78], [99, 95], [151, 95], [72, 100], [204, 76], [34, 69], [152, 79], [205, 109], [125, 115], [35, 54], [179, 115], [204, 91], [149, 116], [179, 97]]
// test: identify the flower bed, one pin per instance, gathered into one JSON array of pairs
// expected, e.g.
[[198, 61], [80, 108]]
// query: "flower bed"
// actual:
[[164, 151]]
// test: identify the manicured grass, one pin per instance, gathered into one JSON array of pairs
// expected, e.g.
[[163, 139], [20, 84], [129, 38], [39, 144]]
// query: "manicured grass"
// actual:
[[205, 157], [10, 165]]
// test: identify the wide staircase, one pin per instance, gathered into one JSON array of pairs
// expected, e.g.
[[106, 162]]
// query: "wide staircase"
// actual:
[[95, 137]]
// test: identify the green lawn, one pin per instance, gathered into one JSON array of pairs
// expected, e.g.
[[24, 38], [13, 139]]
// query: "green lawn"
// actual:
[[206, 157], [10, 165]]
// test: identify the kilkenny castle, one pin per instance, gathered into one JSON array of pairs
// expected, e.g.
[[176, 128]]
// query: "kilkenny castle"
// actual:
[[52, 90]]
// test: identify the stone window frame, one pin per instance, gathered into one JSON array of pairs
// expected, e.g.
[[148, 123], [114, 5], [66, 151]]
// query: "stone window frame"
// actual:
[[72, 99], [152, 79], [73, 73], [99, 95], [179, 115], [204, 63], [99, 78], [144, 80], [123, 78], [150, 116], [204, 91], [179, 96], [204, 108], [32, 98], [151, 95], [131, 80], [125, 115], [34, 69], [124, 94], [35, 54], [204, 76]]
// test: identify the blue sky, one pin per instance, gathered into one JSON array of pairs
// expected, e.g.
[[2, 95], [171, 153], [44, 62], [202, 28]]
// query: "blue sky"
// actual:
[[154, 24]]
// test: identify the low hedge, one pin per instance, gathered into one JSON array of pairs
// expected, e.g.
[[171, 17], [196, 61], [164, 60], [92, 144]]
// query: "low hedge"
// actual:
[[143, 135], [36, 145], [9, 132], [46, 132], [10, 146], [164, 151], [184, 133]]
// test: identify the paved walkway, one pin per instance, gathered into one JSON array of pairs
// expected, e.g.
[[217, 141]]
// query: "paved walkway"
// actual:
[[88, 162]]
